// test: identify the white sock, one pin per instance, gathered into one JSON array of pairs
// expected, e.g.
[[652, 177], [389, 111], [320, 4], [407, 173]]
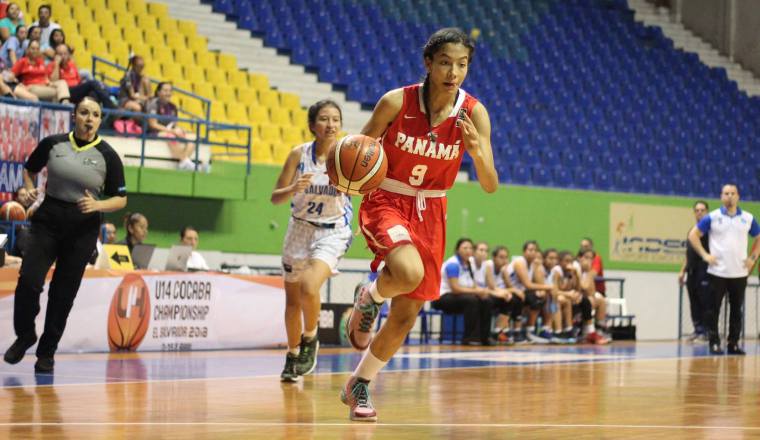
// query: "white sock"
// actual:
[[369, 366], [310, 334], [588, 328], [568, 329], [373, 292], [547, 328], [294, 351]]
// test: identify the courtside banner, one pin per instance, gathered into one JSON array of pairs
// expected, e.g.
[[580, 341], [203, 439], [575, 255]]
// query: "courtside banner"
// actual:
[[149, 311], [649, 233], [21, 129]]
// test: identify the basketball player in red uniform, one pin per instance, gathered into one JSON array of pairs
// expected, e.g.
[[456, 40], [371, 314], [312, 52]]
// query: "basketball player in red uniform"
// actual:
[[425, 131]]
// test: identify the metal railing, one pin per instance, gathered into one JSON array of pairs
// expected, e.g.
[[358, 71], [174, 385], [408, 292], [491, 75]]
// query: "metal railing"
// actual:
[[205, 102], [200, 136], [201, 129]]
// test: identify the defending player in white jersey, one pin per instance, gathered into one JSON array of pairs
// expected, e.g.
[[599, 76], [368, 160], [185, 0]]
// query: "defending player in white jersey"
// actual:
[[319, 233]]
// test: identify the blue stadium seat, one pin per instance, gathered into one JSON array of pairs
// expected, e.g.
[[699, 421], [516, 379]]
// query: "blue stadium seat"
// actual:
[[577, 79]]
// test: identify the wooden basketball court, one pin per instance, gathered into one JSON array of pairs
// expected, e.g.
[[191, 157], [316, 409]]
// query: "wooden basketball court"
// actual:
[[644, 390]]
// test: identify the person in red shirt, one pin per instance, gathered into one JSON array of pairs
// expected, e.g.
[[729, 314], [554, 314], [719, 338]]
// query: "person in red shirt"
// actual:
[[63, 68], [32, 72], [425, 130], [588, 245]]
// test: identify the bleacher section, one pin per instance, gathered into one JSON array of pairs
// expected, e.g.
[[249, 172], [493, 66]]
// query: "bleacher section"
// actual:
[[174, 51], [580, 95]]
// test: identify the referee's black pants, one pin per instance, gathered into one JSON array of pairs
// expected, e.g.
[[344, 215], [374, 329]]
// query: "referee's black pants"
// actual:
[[60, 234], [718, 288]]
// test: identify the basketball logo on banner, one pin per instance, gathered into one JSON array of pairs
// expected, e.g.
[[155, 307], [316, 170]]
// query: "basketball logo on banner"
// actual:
[[129, 314]]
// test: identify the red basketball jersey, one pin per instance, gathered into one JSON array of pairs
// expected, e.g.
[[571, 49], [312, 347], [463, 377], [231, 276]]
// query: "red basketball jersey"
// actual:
[[412, 157]]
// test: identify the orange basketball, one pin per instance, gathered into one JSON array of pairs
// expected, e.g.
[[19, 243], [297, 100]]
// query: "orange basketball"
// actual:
[[12, 211], [129, 314], [356, 164]]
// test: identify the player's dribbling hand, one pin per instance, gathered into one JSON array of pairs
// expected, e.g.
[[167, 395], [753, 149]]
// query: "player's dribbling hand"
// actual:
[[470, 134], [88, 203], [303, 182]]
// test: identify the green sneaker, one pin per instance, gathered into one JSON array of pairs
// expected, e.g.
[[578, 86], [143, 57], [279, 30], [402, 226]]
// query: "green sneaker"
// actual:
[[355, 394], [290, 372], [362, 318], [307, 357]]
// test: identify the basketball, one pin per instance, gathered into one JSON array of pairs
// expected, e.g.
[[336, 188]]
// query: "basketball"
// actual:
[[129, 314], [356, 164], [12, 211]]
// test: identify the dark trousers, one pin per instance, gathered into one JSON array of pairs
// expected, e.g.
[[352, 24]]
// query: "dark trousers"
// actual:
[[698, 288], [61, 234], [91, 88], [718, 288], [477, 312]]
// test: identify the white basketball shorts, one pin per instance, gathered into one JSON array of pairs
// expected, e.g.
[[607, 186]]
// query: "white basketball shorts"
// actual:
[[304, 242]]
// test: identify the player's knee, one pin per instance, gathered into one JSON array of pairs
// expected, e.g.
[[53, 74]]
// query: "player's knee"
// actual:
[[409, 276], [309, 288]]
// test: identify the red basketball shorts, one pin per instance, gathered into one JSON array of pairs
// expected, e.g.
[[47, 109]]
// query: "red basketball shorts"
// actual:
[[389, 220]]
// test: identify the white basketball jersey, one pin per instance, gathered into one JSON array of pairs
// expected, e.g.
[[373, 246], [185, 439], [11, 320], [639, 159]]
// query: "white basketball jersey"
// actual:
[[320, 202], [513, 278]]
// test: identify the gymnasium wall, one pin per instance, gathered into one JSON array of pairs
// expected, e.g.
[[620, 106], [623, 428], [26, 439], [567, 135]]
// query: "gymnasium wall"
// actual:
[[251, 224], [730, 26]]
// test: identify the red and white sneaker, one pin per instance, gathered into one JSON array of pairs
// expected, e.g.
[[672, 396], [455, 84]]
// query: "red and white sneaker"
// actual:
[[356, 395], [596, 339], [359, 326]]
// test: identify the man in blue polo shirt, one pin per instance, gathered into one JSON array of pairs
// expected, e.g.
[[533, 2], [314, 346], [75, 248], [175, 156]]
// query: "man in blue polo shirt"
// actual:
[[728, 263]]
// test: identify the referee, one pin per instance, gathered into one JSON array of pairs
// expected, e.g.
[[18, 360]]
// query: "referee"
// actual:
[[82, 168], [728, 263]]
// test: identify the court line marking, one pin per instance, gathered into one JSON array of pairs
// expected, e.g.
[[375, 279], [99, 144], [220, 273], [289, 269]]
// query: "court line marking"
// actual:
[[405, 425], [332, 373]]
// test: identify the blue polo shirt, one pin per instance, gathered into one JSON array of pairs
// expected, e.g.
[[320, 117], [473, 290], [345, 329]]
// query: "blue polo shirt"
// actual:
[[728, 240], [454, 267]]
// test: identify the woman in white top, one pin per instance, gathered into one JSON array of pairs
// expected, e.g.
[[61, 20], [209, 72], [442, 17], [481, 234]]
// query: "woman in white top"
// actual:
[[597, 300], [460, 294], [319, 234], [512, 304]]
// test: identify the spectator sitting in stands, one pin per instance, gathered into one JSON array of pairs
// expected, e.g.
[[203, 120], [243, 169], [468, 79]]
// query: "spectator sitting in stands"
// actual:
[[48, 45], [189, 236], [134, 87], [161, 105], [11, 21], [32, 72], [136, 226], [13, 49], [33, 34], [5, 89], [47, 26], [63, 68]]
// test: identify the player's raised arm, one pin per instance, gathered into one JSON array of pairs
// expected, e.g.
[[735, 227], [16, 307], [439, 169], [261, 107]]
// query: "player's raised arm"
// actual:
[[476, 132], [385, 112]]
